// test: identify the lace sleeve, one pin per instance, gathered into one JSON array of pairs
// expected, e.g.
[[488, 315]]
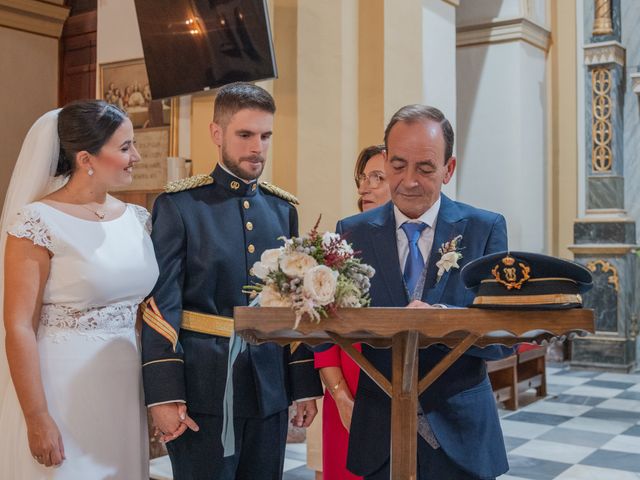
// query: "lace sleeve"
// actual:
[[29, 224], [144, 217]]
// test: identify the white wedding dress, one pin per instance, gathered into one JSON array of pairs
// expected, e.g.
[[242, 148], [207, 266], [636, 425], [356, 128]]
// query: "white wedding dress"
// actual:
[[89, 354]]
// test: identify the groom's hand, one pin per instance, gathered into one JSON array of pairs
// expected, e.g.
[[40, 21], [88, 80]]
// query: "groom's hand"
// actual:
[[172, 420], [306, 411]]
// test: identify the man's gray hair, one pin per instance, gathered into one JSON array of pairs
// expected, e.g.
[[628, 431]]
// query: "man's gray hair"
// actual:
[[419, 113]]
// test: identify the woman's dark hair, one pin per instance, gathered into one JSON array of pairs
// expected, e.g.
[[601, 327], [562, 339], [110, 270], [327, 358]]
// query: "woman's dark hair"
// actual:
[[85, 125], [365, 155]]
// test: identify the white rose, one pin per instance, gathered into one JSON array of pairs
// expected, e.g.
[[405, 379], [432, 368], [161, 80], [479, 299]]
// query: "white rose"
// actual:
[[271, 297], [270, 258], [448, 261], [320, 284], [296, 264], [268, 263], [261, 270]]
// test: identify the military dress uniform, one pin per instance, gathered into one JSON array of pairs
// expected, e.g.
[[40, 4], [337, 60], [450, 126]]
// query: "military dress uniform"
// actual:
[[208, 231]]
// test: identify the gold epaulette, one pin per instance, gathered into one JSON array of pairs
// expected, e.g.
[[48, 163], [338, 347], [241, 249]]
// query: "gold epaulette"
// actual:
[[188, 183], [278, 192]]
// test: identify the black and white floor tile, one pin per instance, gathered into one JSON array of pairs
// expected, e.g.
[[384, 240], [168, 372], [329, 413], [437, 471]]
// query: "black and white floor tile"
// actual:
[[588, 428]]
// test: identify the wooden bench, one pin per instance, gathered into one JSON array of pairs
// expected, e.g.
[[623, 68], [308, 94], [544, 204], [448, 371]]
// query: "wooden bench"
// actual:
[[518, 373], [504, 381], [532, 371]]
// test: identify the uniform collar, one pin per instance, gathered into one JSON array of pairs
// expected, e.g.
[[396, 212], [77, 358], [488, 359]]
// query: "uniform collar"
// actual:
[[236, 186]]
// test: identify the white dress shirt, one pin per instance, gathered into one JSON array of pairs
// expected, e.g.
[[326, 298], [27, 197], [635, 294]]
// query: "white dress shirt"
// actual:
[[426, 236]]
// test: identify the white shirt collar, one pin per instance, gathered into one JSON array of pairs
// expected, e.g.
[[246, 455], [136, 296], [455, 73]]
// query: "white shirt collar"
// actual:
[[428, 217], [224, 167]]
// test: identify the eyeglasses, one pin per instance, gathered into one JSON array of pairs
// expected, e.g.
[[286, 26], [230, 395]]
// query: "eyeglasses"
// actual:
[[374, 179]]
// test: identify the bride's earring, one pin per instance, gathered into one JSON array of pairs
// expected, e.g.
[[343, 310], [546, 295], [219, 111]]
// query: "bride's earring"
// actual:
[[90, 172]]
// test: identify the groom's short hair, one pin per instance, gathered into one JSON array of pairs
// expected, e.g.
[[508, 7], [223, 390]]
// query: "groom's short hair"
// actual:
[[420, 113], [237, 96]]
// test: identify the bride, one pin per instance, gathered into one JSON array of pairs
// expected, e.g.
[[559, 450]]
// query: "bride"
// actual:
[[77, 262]]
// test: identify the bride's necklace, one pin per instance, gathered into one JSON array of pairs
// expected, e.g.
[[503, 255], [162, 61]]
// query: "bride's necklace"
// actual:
[[98, 213]]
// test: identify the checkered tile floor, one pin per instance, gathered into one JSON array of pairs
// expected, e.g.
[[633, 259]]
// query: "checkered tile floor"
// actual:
[[588, 428]]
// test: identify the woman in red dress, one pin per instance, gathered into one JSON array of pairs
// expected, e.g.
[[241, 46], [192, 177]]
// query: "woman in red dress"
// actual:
[[338, 372]]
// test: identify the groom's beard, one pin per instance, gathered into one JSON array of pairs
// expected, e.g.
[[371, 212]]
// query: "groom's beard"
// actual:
[[235, 166]]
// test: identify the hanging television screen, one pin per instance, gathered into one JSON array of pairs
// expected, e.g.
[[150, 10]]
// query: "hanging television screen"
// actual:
[[195, 45]]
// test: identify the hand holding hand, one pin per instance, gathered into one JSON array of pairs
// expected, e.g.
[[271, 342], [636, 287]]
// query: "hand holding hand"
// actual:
[[305, 413], [172, 420]]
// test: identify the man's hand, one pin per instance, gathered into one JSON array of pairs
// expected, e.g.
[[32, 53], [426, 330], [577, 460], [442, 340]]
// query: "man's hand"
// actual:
[[305, 413], [171, 420], [419, 304]]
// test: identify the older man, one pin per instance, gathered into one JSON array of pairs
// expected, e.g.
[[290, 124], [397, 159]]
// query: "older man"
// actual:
[[459, 430]]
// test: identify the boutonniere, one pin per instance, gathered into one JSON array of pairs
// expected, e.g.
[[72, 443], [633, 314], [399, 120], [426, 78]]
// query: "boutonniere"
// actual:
[[449, 256]]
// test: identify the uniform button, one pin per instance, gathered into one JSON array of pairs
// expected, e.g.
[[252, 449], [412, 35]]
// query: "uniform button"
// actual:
[[246, 204], [249, 226], [253, 187], [251, 248]]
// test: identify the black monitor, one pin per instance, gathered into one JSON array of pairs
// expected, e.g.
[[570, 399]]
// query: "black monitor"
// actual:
[[195, 45]]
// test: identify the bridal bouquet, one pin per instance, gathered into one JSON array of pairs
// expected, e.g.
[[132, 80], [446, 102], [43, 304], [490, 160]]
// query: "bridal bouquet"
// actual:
[[314, 275]]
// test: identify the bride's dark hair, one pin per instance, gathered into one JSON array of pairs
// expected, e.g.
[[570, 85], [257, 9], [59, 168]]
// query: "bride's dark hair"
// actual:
[[85, 125]]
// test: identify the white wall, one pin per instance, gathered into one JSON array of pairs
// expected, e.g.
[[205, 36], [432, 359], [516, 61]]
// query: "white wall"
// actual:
[[327, 110], [482, 11], [29, 89], [439, 65], [118, 32], [502, 136]]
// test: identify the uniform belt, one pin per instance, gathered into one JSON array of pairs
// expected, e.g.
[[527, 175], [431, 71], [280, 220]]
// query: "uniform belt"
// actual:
[[213, 325], [207, 323]]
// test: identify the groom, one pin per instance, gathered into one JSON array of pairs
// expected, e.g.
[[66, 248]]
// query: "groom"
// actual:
[[208, 231], [459, 431]]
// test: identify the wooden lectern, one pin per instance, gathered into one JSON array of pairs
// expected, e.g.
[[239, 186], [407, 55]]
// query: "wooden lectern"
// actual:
[[406, 330]]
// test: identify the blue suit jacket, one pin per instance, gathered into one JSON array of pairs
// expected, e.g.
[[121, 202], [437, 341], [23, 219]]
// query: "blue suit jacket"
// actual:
[[460, 404]]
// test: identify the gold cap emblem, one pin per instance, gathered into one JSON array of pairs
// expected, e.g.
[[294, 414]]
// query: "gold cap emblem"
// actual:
[[511, 273], [508, 261]]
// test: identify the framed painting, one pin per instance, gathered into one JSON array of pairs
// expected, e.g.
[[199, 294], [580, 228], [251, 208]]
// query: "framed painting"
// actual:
[[126, 85]]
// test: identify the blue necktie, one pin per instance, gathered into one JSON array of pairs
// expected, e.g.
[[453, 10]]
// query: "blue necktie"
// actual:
[[412, 270], [415, 263]]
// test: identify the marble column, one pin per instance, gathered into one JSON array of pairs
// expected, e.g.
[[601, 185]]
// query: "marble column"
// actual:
[[605, 237]]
